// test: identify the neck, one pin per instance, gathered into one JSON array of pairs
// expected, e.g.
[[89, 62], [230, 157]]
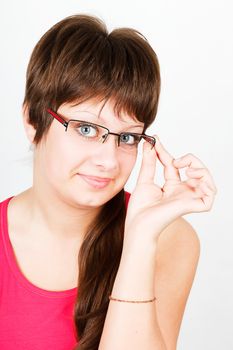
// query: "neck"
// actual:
[[53, 217]]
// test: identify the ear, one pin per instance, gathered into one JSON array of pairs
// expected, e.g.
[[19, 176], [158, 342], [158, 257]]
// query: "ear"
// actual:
[[29, 128]]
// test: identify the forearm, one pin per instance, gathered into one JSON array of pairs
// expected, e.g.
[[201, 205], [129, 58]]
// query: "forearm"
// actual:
[[133, 325]]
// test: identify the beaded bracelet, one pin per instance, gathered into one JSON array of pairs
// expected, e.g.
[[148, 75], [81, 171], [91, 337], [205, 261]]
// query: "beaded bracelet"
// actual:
[[132, 301]]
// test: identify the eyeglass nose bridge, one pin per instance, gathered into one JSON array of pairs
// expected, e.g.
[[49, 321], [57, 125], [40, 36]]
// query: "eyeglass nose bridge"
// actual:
[[105, 136]]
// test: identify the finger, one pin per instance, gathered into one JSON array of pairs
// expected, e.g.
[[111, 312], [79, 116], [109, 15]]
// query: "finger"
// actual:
[[200, 188], [148, 165], [192, 182], [206, 200], [204, 174], [205, 188], [203, 199], [188, 160], [170, 171], [193, 185]]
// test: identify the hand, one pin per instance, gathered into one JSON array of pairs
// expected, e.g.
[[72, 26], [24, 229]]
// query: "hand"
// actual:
[[151, 208]]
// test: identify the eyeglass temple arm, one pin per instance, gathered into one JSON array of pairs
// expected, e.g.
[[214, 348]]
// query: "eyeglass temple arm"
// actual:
[[65, 123], [56, 116]]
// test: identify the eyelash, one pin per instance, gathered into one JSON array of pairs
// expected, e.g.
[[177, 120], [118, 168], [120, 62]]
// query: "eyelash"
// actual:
[[80, 125]]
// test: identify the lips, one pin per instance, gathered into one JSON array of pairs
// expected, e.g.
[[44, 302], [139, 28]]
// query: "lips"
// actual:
[[96, 182], [95, 178]]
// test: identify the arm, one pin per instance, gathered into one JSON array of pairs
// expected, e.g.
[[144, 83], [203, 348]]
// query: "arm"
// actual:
[[166, 271], [176, 263], [128, 325], [151, 210]]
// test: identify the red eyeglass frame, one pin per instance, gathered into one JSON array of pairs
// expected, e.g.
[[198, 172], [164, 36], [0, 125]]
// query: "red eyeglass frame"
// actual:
[[65, 123]]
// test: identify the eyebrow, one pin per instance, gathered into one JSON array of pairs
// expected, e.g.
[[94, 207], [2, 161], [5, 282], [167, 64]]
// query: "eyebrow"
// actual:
[[98, 117]]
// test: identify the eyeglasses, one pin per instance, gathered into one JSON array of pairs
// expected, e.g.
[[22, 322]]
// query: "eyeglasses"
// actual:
[[90, 132]]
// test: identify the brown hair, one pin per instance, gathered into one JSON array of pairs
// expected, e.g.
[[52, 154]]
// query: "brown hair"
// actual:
[[74, 61]]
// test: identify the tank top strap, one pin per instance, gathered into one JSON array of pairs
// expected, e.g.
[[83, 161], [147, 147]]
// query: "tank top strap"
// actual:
[[127, 197], [3, 225]]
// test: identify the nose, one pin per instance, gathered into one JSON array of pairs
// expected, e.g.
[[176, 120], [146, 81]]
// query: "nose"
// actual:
[[106, 153], [105, 137]]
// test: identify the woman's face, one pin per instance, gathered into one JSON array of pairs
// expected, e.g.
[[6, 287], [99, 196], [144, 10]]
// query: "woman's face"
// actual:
[[63, 157]]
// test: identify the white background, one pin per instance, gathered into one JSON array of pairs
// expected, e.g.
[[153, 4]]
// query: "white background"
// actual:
[[193, 40]]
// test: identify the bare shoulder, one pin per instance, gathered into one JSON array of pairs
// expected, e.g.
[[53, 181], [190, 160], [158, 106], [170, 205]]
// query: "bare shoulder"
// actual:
[[176, 263], [178, 235]]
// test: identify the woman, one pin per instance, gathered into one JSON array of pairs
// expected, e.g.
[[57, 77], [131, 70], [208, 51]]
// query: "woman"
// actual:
[[86, 265]]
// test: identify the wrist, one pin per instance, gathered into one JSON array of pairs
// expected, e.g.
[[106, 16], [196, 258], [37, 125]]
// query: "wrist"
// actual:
[[139, 243], [141, 230], [136, 273]]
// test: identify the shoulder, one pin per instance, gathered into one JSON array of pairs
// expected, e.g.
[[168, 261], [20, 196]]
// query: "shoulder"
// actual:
[[179, 235], [178, 251]]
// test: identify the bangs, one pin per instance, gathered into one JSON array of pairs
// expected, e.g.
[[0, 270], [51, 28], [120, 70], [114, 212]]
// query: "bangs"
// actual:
[[78, 60], [102, 66]]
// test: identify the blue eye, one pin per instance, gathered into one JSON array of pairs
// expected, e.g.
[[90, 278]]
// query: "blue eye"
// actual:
[[86, 130], [130, 139]]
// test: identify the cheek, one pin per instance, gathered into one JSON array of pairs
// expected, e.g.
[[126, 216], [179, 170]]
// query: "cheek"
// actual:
[[60, 158], [127, 165]]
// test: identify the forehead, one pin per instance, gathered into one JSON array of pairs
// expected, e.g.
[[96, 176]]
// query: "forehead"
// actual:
[[101, 111]]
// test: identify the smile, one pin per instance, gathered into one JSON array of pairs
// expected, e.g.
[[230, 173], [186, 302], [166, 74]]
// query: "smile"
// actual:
[[95, 182]]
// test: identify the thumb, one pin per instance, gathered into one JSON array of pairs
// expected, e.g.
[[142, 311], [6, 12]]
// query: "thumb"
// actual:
[[148, 166]]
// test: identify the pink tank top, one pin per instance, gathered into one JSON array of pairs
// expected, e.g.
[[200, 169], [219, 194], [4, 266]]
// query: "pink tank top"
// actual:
[[31, 318]]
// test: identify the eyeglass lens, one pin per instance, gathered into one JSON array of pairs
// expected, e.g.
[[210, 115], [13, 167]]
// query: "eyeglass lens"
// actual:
[[92, 133]]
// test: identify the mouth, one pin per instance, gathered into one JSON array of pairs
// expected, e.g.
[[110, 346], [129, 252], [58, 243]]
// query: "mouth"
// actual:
[[96, 182]]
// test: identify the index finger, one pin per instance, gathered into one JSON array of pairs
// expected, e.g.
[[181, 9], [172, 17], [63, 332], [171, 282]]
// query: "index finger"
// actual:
[[170, 172]]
